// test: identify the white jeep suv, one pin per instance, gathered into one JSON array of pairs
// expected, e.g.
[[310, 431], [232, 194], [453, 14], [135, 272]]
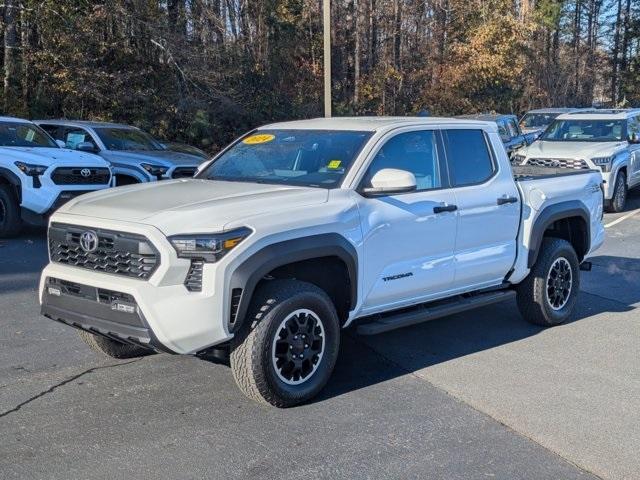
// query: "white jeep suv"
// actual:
[[608, 140]]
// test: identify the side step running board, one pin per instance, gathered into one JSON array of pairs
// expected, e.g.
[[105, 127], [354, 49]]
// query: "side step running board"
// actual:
[[429, 311]]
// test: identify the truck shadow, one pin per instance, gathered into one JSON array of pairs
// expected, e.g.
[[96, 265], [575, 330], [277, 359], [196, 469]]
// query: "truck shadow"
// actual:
[[368, 360]]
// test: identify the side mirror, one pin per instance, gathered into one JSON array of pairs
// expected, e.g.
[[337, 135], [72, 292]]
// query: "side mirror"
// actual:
[[390, 181], [86, 147], [61, 144], [634, 138]]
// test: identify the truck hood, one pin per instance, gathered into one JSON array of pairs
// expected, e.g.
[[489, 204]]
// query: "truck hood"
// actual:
[[165, 158], [51, 156], [577, 150], [191, 205]]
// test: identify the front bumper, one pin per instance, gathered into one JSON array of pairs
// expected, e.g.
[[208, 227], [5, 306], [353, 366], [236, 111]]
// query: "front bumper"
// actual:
[[176, 319]]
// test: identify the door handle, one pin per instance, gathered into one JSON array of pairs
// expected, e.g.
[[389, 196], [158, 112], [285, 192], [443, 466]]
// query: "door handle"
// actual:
[[505, 199], [445, 208]]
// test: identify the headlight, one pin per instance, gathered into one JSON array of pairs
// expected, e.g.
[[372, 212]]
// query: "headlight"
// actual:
[[603, 162], [518, 159], [209, 247], [155, 170], [30, 170]]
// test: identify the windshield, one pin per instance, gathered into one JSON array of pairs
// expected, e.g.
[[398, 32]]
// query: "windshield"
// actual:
[[586, 131], [19, 134], [127, 139], [537, 120], [314, 158]]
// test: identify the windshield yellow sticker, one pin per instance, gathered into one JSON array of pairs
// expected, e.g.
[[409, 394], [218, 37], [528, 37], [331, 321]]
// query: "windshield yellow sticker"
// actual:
[[333, 164], [256, 139]]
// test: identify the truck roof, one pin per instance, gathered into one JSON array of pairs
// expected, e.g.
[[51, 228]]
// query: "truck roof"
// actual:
[[370, 124], [601, 113], [486, 117], [557, 110], [84, 123]]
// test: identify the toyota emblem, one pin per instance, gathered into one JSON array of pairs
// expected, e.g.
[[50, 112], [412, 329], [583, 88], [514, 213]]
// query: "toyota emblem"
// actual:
[[89, 241], [85, 172]]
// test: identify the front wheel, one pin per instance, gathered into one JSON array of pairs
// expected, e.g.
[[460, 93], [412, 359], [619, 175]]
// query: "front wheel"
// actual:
[[10, 221], [619, 199], [548, 295], [286, 351]]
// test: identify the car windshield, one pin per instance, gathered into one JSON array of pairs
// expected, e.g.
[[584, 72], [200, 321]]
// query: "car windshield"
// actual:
[[314, 158], [21, 134], [537, 120], [127, 139], [585, 131]]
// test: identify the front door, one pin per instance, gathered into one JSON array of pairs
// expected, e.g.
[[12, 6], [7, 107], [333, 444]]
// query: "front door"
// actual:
[[408, 238]]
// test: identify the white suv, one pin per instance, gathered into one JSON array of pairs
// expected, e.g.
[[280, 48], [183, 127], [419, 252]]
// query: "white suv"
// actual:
[[607, 140], [37, 175]]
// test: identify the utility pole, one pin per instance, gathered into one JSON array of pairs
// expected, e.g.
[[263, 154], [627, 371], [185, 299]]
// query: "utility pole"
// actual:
[[326, 26]]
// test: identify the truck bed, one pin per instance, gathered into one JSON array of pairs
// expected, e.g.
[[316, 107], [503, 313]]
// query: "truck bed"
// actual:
[[531, 172]]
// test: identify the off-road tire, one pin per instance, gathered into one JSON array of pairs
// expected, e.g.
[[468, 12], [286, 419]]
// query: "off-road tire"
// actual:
[[532, 293], [619, 199], [10, 221], [112, 348], [251, 349]]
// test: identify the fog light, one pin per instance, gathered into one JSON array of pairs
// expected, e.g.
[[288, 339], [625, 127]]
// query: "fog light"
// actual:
[[54, 291], [122, 307]]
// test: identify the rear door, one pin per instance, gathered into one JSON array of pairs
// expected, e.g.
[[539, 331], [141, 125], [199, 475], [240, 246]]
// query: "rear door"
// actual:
[[488, 210]]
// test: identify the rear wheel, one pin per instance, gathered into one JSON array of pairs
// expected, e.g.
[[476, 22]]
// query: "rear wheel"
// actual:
[[10, 221], [548, 295], [288, 346], [112, 348], [619, 199]]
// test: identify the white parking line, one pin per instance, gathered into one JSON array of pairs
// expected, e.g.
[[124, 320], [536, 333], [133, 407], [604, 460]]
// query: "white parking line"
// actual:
[[621, 219]]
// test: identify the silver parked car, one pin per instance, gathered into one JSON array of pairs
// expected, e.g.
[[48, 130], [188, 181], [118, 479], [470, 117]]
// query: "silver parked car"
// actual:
[[135, 156]]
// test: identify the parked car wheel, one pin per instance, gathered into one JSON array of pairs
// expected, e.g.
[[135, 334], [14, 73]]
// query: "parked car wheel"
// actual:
[[548, 295], [112, 348], [286, 351], [10, 221], [619, 199]]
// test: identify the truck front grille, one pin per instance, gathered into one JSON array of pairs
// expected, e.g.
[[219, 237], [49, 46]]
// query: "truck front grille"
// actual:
[[183, 172], [117, 253], [80, 176], [559, 163]]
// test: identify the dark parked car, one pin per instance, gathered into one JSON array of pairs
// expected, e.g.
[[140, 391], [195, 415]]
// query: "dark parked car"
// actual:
[[508, 128]]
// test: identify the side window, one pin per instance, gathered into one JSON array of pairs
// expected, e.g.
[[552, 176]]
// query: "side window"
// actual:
[[415, 152], [53, 130], [633, 127], [468, 156], [513, 128], [74, 136], [503, 131]]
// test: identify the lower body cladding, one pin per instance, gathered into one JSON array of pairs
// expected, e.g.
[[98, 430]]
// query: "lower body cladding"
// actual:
[[166, 318]]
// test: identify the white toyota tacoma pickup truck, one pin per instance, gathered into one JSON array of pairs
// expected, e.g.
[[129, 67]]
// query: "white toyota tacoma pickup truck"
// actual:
[[37, 175], [300, 229], [606, 140]]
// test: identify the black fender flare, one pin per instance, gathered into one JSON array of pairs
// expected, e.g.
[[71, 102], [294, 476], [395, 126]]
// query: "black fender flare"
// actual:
[[13, 179], [257, 266], [551, 214]]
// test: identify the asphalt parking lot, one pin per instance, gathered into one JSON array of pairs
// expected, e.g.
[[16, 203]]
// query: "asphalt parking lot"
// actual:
[[476, 395]]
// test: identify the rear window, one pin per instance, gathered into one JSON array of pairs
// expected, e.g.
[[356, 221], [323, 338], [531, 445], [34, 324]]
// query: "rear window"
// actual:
[[468, 156]]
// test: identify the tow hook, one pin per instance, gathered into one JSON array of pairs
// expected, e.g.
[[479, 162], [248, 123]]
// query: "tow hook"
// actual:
[[585, 266]]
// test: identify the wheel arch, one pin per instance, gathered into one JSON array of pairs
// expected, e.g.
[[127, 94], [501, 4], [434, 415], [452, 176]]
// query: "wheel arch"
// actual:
[[312, 259], [569, 220], [7, 177]]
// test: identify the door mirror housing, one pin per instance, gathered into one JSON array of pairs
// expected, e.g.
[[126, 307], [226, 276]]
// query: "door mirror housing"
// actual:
[[86, 147], [61, 144], [389, 181], [634, 138]]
